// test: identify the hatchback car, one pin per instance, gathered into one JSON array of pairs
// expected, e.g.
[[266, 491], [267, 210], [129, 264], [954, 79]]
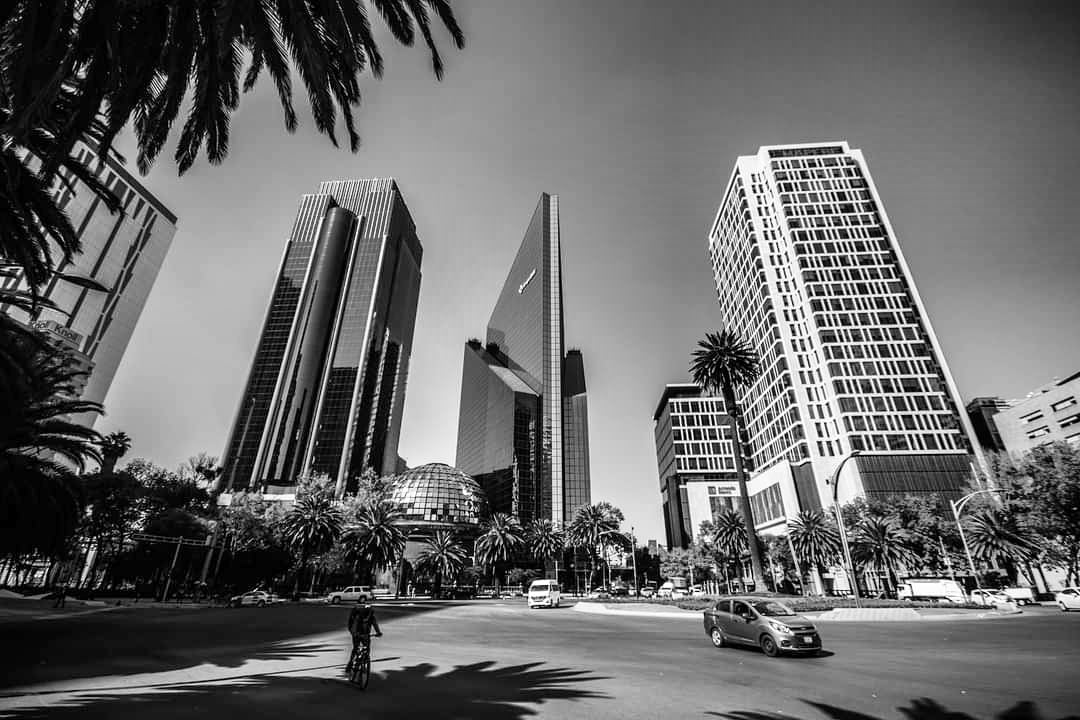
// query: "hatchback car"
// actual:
[[1068, 599], [258, 598], [761, 622], [989, 598]]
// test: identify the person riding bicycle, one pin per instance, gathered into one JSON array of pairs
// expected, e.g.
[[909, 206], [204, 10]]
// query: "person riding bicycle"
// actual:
[[361, 622]]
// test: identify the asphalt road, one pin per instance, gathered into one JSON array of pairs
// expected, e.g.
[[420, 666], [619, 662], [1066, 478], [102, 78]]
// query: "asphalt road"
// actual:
[[500, 660]]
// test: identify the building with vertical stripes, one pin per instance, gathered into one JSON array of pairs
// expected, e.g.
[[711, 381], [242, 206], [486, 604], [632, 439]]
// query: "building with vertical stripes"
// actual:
[[123, 252], [523, 420], [809, 270], [326, 389]]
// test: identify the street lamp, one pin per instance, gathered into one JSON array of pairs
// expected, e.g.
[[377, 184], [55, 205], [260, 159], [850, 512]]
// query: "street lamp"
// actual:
[[957, 506], [835, 481]]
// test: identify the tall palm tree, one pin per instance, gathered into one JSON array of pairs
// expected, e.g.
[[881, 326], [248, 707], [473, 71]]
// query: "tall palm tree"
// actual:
[[442, 556], [502, 537], [729, 538], [311, 527], [113, 447], [817, 542], [722, 363], [996, 534], [544, 540], [373, 540], [882, 544], [592, 528]]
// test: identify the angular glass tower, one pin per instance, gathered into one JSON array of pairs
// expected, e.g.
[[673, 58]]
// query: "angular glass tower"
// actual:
[[327, 386], [523, 423]]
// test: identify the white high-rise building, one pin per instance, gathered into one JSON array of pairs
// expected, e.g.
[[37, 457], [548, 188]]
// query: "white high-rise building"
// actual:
[[809, 270], [123, 252]]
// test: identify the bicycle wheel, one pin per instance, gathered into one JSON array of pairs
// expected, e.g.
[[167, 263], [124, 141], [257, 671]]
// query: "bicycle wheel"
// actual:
[[364, 671]]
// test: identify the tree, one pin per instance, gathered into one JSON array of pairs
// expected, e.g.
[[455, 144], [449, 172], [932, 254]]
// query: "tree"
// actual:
[[591, 529], [372, 540], [1054, 499], [544, 540], [113, 447], [502, 536], [882, 544], [202, 469], [722, 363], [311, 527], [443, 556], [725, 536], [816, 541], [997, 534]]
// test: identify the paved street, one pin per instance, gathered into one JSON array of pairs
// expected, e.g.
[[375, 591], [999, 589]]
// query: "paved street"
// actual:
[[499, 660]]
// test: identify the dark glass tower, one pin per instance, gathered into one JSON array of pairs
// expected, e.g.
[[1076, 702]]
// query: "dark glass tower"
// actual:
[[327, 386], [523, 423]]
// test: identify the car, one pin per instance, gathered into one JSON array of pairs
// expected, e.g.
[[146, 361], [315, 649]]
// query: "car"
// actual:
[[258, 598], [544, 593], [648, 590], [350, 594], [989, 598], [1068, 599], [619, 588], [761, 622], [1020, 595]]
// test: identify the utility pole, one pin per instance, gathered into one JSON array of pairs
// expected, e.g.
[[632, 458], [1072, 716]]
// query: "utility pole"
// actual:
[[633, 559], [168, 579]]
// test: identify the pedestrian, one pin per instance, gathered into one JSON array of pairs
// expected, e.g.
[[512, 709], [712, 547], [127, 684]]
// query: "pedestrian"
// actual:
[[61, 596]]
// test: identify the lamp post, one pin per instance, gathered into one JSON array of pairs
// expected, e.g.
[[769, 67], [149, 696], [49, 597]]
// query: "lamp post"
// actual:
[[957, 506], [835, 482]]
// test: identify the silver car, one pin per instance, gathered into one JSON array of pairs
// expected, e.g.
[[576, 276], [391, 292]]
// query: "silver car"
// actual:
[[762, 622]]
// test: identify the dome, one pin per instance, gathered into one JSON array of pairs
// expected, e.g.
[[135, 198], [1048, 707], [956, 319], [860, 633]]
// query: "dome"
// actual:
[[438, 496]]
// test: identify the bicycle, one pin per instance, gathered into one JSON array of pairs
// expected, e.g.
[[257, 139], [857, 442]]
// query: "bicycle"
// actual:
[[359, 667]]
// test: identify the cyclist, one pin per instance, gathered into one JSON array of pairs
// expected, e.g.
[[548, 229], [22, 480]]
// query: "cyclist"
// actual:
[[361, 622]]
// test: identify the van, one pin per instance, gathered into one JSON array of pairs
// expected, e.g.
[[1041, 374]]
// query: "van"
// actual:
[[546, 593], [939, 589]]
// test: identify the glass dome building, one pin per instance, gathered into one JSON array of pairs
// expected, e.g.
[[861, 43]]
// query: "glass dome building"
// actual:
[[438, 497]]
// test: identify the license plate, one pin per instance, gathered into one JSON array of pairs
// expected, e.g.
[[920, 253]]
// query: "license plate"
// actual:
[[807, 640]]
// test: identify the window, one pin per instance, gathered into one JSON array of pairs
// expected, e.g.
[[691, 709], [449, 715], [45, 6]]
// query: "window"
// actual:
[[1062, 404], [1031, 417], [1038, 432]]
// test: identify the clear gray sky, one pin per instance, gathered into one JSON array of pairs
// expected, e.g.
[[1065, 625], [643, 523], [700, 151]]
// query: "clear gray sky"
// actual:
[[634, 113]]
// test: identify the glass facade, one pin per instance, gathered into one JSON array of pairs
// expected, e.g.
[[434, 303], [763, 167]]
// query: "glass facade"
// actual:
[[122, 251], [520, 433], [326, 391], [438, 496]]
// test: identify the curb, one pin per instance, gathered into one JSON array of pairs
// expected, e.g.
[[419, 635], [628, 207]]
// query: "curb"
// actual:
[[600, 609]]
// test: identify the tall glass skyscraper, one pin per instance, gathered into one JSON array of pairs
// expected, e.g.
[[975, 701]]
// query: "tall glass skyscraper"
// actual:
[[523, 422], [327, 386], [809, 270], [123, 252]]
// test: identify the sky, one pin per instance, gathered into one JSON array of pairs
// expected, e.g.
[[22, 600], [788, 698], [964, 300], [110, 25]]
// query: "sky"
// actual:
[[634, 113]]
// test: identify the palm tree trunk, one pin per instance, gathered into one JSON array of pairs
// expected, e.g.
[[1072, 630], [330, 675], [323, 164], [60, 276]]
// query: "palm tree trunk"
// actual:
[[815, 575], [744, 494]]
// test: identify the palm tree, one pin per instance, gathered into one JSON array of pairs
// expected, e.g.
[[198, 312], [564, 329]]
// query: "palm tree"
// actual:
[[729, 538], [311, 527], [442, 556], [722, 363], [882, 544], [591, 527], [113, 447], [817, 542], [545, 541], [373, 540], [996, 534], [502, 537]]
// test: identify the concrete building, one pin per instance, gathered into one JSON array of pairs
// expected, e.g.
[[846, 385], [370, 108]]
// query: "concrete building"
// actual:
[[327, 385], [809, 270], [123, 252], [981, 412], [523, 418], [1049, 414]]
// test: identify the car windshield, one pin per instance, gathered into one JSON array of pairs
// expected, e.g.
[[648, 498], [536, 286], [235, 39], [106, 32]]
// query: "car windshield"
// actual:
[[772, 609]]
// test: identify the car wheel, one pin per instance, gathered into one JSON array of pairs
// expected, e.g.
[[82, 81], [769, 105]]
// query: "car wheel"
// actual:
[[769, 646], [336, 600], [717, 637], [261, 603]]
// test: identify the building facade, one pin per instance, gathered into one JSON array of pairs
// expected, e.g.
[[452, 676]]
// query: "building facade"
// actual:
[[326, 389], [523, 418], [981, 412], [1049, 414], [123, 252], [809, 270]]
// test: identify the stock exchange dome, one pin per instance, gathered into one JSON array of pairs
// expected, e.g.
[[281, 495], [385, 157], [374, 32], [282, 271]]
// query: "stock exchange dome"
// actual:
[[438, 496]]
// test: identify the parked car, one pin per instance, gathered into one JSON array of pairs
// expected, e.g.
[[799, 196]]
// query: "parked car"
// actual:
[[648, 590], [258, 598], [762, 622], [1020, 595], [1068, 599], [350, 594], [544, 593], [989, 598], [619, 588]]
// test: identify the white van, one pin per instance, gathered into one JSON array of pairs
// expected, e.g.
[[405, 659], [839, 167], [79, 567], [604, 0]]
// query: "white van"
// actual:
[[939, 589], [545, 593]]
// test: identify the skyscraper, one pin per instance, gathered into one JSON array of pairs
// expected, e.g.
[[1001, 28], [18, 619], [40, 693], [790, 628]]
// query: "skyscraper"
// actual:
[[327, 386], [123, 252], [809, 270], [523, 422]]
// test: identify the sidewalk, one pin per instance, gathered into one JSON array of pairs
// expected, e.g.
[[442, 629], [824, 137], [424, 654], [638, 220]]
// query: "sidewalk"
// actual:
[[837, 615]]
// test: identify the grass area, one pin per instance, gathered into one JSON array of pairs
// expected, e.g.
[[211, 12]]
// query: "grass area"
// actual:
[[796, 603]]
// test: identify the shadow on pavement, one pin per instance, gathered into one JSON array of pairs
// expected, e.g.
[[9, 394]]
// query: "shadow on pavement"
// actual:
[[481, 690], [128, 642], [920, 709]]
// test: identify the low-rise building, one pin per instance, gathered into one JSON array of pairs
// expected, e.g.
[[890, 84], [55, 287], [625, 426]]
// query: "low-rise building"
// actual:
[[1049, 414]]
